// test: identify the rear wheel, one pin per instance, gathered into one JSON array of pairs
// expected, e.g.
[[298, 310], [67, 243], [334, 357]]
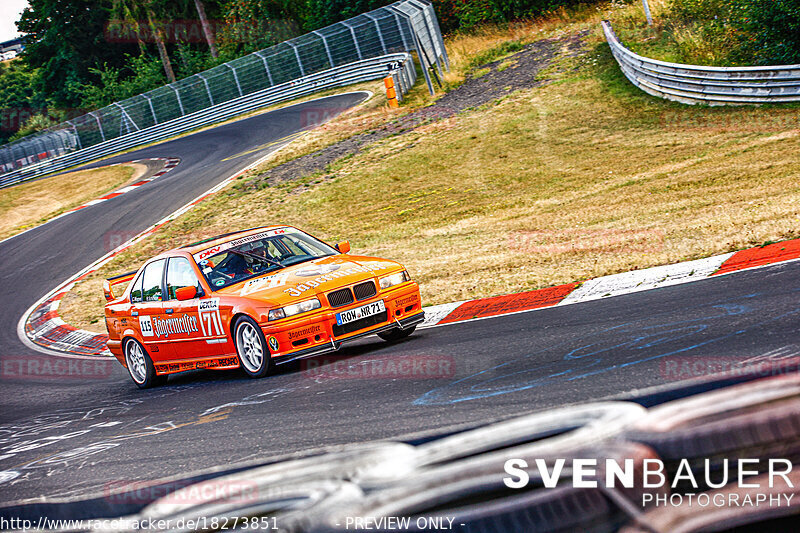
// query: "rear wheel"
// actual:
[[251, 348], [396, 334], [141, 367]]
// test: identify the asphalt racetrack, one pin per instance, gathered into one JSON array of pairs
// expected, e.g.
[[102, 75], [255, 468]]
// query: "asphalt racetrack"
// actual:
[[61, 439]]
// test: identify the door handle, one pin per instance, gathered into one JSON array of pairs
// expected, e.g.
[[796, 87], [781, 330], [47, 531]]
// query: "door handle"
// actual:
[[169, 311], [135, 313]]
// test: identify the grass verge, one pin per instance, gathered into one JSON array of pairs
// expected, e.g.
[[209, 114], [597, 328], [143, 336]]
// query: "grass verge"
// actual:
[[586, 176]]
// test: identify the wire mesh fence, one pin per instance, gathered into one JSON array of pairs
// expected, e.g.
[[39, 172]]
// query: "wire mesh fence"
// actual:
[[405, 26]]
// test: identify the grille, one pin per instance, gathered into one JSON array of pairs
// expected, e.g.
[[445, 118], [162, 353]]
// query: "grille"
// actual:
[[340, 297], [365, 290], [344, 329]]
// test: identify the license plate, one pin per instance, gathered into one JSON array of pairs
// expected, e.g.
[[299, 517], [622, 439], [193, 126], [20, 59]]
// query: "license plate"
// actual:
[[351, 315]]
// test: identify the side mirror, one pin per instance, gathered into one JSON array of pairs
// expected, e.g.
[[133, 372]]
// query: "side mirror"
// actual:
[[185, 293], [343, 247]]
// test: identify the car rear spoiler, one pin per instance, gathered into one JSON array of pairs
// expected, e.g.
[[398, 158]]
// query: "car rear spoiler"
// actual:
[[111, 282]]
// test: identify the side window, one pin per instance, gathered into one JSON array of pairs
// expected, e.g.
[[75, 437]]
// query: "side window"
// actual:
[[136, 291], [179, 274], [151, 281]]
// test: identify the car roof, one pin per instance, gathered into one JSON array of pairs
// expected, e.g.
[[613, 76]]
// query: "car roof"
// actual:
[[219, 239]]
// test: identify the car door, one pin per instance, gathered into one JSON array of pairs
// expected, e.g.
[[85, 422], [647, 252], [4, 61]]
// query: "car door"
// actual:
[[196, 323], [147, 310]]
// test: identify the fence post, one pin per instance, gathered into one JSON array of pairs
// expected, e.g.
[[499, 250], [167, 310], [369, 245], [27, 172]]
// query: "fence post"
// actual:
[[438, 31], [417, 47], [327, 49], [74, 129], [208, 90], [235, 78], [99, 126], [178, 97], [297, 55], [647, 12], [152, 110], [266, 67], [355, 39], [433, 40], [127, 117], [400, 29], [378, 29]]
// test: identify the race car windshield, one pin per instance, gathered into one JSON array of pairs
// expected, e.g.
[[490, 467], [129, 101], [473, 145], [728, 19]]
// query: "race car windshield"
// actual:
[[268, 252]]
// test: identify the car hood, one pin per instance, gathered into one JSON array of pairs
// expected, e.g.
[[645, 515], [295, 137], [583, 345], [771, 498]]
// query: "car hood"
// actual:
[[306, 280]]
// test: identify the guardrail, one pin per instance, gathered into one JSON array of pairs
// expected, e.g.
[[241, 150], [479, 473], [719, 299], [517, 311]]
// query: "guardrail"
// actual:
[[692, 84], [405, 26], [399, 66]]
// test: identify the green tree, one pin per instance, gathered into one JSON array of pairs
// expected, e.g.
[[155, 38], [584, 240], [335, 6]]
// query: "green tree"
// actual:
[[65, 40], [257, 24], [771, 31]]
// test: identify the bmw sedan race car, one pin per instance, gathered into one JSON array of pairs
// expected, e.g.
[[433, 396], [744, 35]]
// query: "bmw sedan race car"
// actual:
[[253, 299]]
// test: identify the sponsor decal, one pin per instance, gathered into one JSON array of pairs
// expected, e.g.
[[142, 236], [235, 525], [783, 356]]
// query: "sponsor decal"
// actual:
[[208, 253], [205, 254], [307, 285], [211, 363], [273, 344], [304, 332], [173, 326], [316, 270], [146, 326], [267, 282], [402, 302], [210, 319]]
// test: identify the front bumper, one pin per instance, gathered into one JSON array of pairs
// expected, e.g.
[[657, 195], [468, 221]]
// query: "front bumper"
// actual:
[[316, 332], [334, 345]]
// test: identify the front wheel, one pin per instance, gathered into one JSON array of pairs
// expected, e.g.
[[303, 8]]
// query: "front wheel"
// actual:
[[141, 367], [251, 348], [396, 334]]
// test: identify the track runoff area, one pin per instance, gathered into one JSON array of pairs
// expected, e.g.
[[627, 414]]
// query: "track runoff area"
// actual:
[[654, 359]]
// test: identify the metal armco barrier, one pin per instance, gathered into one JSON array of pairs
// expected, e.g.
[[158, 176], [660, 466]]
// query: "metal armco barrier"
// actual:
[[399, 66], [338, 50], [692, 84]]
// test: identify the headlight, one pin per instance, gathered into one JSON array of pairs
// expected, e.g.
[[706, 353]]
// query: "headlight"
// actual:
[[394, 279], [294, 309]]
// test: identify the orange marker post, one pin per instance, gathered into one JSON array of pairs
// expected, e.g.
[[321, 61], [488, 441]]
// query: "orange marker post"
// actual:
[[391, 94]]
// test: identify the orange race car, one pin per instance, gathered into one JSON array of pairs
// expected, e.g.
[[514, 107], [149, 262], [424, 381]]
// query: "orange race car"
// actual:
[[253, 299]]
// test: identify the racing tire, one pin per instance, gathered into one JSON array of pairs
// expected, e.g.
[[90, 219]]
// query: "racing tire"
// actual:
[[396, 334], [140, 366], [251, 348]]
